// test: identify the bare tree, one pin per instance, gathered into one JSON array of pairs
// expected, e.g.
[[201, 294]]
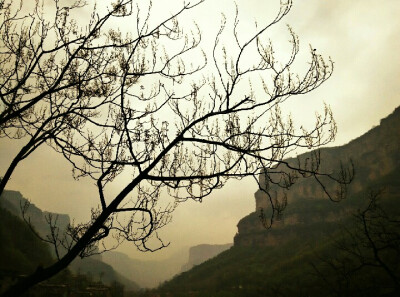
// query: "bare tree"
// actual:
[[135, 108], [368, 254], [58, 77]]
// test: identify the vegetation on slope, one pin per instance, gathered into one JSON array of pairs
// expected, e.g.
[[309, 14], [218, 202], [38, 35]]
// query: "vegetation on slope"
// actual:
[[356, 253], [20, 250], [310, 264]]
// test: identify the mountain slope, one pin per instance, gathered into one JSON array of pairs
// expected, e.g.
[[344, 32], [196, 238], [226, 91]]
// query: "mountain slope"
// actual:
[[22, 251], [14, 202], [100, 271], [147, 274], [376, 159], [277, 262], [203, 252]]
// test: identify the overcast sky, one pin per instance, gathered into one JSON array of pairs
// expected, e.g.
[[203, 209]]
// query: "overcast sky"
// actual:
[[361, 36]]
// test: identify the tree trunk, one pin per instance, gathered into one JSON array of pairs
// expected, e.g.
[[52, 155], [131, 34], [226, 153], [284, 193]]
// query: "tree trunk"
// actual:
[[40, 275]]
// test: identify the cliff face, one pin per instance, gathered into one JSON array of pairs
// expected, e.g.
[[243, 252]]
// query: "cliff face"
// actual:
[[203, 252], [13, 201], [376, 158]]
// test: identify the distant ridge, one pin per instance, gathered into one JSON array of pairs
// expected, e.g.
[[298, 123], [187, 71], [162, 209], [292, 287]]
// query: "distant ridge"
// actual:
[[147, 274], [376, 156], [203, 252], [11, 201], [287, 260]]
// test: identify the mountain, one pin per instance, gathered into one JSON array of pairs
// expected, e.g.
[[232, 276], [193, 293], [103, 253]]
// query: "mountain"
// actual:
[[97, 270], [23, 251], [147, 274], [203, 252], [318, 247], [150, 274], [376, 160], [108, 267], [14, 202]]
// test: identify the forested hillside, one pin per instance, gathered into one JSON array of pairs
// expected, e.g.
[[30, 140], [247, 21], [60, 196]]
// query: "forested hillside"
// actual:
[[318, 247], [22, 252]]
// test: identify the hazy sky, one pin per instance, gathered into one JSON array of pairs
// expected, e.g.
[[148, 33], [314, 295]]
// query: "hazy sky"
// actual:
[[361, 36]]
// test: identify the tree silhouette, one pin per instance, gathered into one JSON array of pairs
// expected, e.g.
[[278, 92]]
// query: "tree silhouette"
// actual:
[[143, 109], [367, 254]]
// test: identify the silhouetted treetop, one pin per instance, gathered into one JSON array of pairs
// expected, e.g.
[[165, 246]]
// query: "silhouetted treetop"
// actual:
[[150, 110]]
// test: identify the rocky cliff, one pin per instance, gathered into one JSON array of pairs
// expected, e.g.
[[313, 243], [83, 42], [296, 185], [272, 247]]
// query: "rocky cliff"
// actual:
[[13, 201], [376, 158], [203, 252]]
